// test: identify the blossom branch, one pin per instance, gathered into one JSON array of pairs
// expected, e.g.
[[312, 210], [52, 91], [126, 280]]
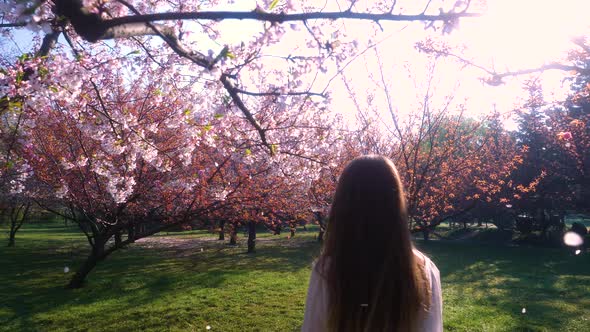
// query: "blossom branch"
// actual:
[[278, 93], [496, 78], [233, 92]]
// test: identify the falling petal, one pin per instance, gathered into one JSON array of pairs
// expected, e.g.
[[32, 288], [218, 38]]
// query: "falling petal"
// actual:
[[524, 310], [578, 251], [572, 239], [66, 269], [509, 205], [567, 145]]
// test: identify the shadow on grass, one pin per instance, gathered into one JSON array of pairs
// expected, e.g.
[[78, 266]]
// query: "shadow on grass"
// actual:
[[550, 284], [152, 288], [32, 281]]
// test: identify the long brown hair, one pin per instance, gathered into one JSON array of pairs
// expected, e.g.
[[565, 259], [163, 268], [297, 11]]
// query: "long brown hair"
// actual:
[[374, 281]]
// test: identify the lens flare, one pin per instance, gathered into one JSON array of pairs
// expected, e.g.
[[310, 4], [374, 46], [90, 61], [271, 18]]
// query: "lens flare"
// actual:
[[572, 239]]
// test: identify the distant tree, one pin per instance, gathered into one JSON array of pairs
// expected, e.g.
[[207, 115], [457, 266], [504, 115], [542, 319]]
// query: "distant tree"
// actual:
[[575, 120], [449, 161]]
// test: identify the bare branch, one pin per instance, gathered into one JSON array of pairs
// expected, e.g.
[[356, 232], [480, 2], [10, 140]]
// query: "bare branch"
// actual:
[[278, 93], [233, 92], [13, 25], [496, 78], [282, 17], [92, 27]]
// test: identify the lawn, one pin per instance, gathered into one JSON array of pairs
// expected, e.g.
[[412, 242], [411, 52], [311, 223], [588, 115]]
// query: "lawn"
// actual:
[[170, 284]]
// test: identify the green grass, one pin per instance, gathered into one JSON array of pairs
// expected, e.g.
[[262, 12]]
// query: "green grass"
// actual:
[[180, 289]]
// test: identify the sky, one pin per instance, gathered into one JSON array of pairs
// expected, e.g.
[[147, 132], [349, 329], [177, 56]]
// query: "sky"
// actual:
[[511, 35]]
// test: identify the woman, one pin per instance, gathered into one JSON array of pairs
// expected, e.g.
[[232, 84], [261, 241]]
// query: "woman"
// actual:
[[369, 277]]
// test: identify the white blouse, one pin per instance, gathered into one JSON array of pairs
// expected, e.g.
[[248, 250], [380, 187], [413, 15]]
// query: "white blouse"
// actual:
[[317, 297]]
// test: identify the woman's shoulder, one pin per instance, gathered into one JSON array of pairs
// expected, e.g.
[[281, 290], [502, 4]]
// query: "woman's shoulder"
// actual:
[[425, 261], [320, 265]]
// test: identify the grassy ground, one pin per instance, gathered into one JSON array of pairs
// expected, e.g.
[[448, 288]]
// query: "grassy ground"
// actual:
[[178, 287]]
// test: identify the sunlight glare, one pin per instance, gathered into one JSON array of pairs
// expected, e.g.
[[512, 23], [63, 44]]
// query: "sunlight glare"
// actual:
[[526, 33], [572, 239]]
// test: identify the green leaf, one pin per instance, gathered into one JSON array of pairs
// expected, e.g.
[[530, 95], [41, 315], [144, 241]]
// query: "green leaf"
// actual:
[[43, 71], [248, 152], [273, 148], [207, 127], [218, 116], [19, 76], [273, 4], [187, 112], [15, 106], [52, 88], [9, 164], [230, 55]]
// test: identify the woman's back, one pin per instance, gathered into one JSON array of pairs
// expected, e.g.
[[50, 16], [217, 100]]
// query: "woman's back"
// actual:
[[316, 307], [368, 276]]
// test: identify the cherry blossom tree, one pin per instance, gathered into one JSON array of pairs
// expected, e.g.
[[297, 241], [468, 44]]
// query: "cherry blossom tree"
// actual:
[[450, 162], [136, 126]]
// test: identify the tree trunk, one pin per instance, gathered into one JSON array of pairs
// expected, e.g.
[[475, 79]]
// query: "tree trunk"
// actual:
[[321, 234], [79, 277], [11, 239], [426, 234], [98, 254], [17, 220], [292, 230], [131, 231], [118, 238], [222, 230], [251, 237], [233, 236], [320, 220], [12, 232]]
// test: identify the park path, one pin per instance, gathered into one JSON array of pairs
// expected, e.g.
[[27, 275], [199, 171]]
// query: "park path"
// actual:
[[186, 245]]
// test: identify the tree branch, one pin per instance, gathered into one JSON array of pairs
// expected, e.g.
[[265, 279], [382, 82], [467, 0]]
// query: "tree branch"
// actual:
[[233, 92], [13, 25], [278, 93], [497, 77], [92, 27], [283, 17]]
